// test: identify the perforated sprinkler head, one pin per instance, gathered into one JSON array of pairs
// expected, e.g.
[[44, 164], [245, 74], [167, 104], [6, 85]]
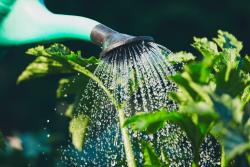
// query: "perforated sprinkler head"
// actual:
[[111, 41]]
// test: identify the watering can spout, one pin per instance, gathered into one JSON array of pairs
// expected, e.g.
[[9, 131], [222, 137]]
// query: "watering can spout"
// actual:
[[29, 21]]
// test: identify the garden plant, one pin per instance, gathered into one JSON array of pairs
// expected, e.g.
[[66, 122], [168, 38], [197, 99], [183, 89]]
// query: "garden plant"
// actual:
[[210, 92]]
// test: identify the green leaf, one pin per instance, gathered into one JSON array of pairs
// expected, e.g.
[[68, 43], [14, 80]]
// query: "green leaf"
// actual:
[[60, 50], [198, 72], [245, 98], [248, 158], [179, 97], [149, 155], [246, 64], [232, 84], [180, 57], [202, 115], [196, 123], [70, 111], [42, 66], [151, 122], [233, 142], [78, 128], [185, 87], [54, 60], [223, 157], [226, 40], [205, 47], [228, 108], [195, 90]]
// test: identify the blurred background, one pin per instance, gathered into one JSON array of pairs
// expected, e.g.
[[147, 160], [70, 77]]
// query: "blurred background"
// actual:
[[29, 113]]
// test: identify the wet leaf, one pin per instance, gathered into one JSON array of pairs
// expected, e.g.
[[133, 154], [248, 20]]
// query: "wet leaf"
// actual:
[[78, 128], [151, 122], [149, 155], [180, 57]]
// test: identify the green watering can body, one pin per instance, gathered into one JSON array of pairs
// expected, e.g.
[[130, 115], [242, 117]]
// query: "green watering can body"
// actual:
[[29, 21]]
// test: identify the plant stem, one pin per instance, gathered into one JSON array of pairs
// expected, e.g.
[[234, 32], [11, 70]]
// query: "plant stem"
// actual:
[[126, 140], [124, 131]]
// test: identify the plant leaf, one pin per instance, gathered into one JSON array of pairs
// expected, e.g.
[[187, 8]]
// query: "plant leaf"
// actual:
[[228, 108], [226, 40], [180, 57], [54, 60], [233, 142], [151, 122], [150, 157], [205, 47], [42, 66], [78, 128]]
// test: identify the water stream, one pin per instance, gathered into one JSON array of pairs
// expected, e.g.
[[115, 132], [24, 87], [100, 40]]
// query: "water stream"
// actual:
[[137, 78]]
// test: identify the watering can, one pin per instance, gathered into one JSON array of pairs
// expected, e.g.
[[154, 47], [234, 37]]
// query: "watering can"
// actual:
[[29, 21]]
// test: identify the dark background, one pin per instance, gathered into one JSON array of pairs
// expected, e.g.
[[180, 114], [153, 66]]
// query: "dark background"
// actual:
[[25, 108]]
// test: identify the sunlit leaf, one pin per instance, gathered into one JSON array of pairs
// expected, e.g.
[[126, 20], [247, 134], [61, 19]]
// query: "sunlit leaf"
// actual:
[[245, 98], [78, 128], [226, 41], [55, 59], [184, 84], [180, 57], [205, 47], [70, 111], [42, 66]]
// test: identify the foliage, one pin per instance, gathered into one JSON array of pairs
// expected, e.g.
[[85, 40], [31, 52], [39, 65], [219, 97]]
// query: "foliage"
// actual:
[[151, 159], [53, 60], [212, 97], [78, 128], [180, 57], [58, 59]]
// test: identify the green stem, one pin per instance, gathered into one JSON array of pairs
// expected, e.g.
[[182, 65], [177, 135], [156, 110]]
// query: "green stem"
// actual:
[[125, 135], [126, 140]]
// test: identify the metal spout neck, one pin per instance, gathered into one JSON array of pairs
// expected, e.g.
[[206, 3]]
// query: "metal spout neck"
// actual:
[[109, 39]]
